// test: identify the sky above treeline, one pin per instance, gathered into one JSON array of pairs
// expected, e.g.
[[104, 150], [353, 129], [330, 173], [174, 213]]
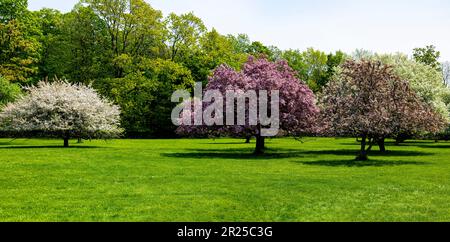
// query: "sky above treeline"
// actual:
[[384, 26]]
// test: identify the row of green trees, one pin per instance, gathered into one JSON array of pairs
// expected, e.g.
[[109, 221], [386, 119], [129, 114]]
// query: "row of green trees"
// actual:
[[136, 57]]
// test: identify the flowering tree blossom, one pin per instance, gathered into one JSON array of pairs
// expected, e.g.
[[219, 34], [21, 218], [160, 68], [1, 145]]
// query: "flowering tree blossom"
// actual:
[[297, 103], [61, 110], [368, 100], [425, 80]]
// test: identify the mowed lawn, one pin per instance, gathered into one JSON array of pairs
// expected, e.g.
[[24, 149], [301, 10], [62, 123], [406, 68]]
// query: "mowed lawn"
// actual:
[[219, 180]]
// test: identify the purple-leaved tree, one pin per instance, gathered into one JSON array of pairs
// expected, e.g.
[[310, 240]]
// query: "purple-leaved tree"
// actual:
[[297, 103]]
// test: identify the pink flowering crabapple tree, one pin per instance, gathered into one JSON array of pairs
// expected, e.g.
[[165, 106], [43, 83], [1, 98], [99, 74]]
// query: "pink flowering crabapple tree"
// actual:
[[61, 110], [264, 99], [369, 101]]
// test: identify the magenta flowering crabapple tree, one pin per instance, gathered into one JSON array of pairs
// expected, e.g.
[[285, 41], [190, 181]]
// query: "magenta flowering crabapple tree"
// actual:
[[294, 102], [61, 110], [368, 100]]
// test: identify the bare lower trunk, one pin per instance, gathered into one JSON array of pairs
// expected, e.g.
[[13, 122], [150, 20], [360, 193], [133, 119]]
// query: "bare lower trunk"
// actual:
[[260, 145], [66, 142], [247, 140], [401, 138], [363, 152], [381, 144]]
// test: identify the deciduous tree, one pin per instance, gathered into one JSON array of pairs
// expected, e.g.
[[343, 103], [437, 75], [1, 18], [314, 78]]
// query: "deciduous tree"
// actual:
[[134, 28], [144, 96], [19, 52], [184, 33], [428, 56], [8, 91], [214, 50], [61, 110], [297, 103], [425, 80], [368, 100]]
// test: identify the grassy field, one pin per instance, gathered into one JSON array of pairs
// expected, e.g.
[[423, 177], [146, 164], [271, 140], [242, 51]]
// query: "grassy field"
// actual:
[[218, 180]]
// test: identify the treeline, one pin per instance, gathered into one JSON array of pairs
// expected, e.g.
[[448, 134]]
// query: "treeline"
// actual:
[[132, 54]]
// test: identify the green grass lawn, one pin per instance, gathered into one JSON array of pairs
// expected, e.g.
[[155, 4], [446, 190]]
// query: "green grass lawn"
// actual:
[[218, 180]]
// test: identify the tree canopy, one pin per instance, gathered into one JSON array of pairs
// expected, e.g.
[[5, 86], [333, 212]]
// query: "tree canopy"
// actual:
[[424, 79], [12, 9]]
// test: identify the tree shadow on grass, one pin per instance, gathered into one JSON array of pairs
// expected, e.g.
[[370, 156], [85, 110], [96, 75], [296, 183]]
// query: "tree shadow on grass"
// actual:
[[50, 147], [354, 163], [5, 143], [231, 155], [388, 153], [393, 143], [247, 153], [435, 146], [416, 143], [228, 143]]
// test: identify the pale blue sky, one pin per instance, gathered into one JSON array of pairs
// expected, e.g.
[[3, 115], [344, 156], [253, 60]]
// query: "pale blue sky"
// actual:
[[329, 25]]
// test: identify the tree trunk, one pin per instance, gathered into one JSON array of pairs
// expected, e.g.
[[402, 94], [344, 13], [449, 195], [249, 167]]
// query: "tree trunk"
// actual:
[[260, 145], [247, 139], [363, 152], [401, 138], [66, 142], [80, 141], [381, 145]]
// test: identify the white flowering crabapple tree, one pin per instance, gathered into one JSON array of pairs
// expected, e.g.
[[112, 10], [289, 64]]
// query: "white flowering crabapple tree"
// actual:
[[368, 100], [296, 110], [61, 110]]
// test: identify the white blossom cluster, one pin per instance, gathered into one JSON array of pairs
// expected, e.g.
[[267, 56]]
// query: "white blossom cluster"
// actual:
[[64, 110]]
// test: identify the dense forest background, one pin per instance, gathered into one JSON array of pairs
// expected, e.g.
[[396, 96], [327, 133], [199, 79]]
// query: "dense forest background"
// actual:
[[130, 53]]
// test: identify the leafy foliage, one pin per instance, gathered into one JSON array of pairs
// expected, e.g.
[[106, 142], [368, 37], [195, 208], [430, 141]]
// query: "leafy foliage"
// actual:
[[313, 66], [134, 27], [144, 96], [184, 33], [12, 9], [8, 91], [82, 51], [19, 53], [428, 56], [215, 50]]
